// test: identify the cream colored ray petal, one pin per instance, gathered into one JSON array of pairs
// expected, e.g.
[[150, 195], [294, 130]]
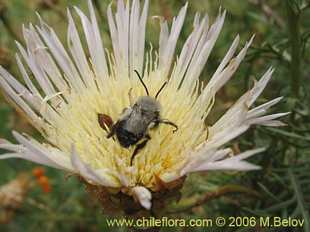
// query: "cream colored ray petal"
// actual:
[[262, 109], [40, 61], [127, 30], [225, 136], [29, 57], [35, 152], [61, 56], [208, 155], [119, 31], [94, 43], [7, 145], [20, 104], [28, 102], [259, 87], [78, 54], [141, 39], [273, 123], [43, 59], [95, 177], [236, 122], [122, 22], [114, 36], [47, 153], [222, 75], [237, 114], [189, 48], [168, 42], [267, 118], [137, 36], [143, 196], [31, 98], [233, 163], [230, 53], [163, 35], [203, 50], [26, 78]]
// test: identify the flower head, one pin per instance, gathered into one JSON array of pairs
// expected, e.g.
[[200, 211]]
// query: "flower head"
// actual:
[[70, 89]]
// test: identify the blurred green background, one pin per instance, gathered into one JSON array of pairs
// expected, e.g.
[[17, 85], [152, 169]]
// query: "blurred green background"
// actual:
[[281, 188]]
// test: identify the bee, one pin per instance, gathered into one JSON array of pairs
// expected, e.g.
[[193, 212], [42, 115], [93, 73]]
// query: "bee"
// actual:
[[132, 128]]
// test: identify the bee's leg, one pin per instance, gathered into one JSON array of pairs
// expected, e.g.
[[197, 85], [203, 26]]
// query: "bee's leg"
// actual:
[[166, 121], [112, 131], [139, 147]]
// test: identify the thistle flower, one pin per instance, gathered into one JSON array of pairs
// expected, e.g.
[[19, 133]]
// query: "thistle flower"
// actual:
[[70, 89]]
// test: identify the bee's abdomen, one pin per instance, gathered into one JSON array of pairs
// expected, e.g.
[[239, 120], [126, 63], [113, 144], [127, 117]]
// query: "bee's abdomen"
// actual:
[[126, 138]]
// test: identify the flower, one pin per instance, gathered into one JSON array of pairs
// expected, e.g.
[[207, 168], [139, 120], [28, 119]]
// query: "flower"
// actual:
[[70, 89]]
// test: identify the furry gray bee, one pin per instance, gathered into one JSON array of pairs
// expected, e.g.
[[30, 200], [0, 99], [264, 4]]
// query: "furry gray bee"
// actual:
[[133, 125]]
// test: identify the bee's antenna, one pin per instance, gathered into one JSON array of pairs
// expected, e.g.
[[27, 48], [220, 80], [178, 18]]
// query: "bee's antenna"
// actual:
[[161, 88], [146, 90]]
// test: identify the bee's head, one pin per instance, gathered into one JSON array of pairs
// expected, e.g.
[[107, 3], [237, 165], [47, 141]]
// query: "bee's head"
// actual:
[[148, 104]]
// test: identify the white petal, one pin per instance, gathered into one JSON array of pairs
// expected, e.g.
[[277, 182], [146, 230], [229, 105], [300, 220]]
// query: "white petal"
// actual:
[[55, 156], [19, 89], [94, 42], [35, 152], [20, 104], [229, 165], [30, 59], [78, 53], [189, 49], [204, 156], [265, 119], [134, 34], [92, 176], [220, 78], [26, 78], [43, 59], [141, 38], [226, 135], [262, 109], [143, 195], [60, 55], [227, 57], [204, 49], [163, 36], [233, 163], [240, 115], [259, 87], [273, 123], [114, 36], [166, 50]]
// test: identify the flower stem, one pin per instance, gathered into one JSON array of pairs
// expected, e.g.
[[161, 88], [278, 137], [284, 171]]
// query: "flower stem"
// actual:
[[293, 17], [227, 189]]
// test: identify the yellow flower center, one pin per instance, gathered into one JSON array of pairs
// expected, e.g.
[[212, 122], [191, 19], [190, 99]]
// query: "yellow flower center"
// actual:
[[164, 153]]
